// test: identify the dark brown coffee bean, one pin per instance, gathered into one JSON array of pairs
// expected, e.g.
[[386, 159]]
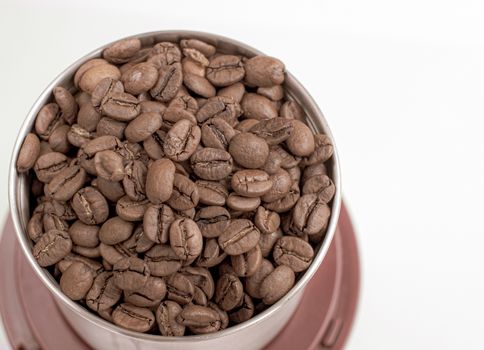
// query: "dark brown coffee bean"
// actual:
[[287, 202], [225, 70], [323, 150], [253, 283], [140, 128], [140, 78], [273, 93], [29, 152], [113, 253], [228, 292], [120, 106], [122, 50], [134, 180], [84, 235], [199, 85], [281, 184], [92, 76], [67, 104], [113, 191], [277, 284], [103, 89], [90, 206], [134, 318], [211, 192], [266, 221], [159, 181], [170, 78], [48, 119], [240, 237], [166, 315], [274, 131], [264, 71], [301, 140], [182, 140], [131, 210], [249, 150], [153, 145], [186, 239], [211, 163], [179, 289], [130, 273], [35, 227], [108, 126], [138, 242], [313, 170], [310, 215], [293, 252], [220, 107], [247, 264], [52, 247], [212, 221], [184, 195], [151, 294], [49, 165], [211, 255], [76, 280], [241, 203], [205, 48], [115, 230], [267, 241], [217, 133], [201, 278], [162, 260], [67, 182], [58, 139], [320, 185], [244, 311], [235, 91], [103, 293], [185, 102], [258, 107], [251, 183], [156, 222]]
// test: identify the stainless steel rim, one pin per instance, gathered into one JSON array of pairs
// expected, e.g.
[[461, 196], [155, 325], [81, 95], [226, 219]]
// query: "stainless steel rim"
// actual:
[[295, 90]]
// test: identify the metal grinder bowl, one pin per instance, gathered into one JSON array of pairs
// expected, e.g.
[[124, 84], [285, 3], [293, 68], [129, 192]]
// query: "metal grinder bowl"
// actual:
[[100, 334]]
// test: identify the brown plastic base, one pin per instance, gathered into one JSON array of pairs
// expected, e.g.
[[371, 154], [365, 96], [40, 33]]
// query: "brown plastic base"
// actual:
[[322, 321]]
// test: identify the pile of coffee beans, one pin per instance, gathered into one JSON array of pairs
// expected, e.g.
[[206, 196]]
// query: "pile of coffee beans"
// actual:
[[176, 189]]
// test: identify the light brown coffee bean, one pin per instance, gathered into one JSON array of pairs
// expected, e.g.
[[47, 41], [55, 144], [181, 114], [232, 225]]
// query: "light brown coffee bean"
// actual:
[[281, 184], [228, 292], [29, 152], [130, 273], [251, 183], [150, 295], [293, 252], [240, 237], [247, 264], [134, 318], [52, 247], [186, 239], [166, 315], [48, 119], [67, 104], [235, 91], [140, 128], [249, 150], [241, 203], [258, 107], [103, 293], [67, 182], [244, 311], [77, 280], [179, 289], [301, 141], [211, 163], [184, 195], [212, 221], [182, 140], [264, 71], [157, 221], [199, 85], [122, 50], [266, 221], [267, 241], [277, 284], [115, 230], [159, 181], [310, 215], [84, 235], [140, 78], [90, 206], [211, 255], [162, 260], [170, 78], [225, 70]]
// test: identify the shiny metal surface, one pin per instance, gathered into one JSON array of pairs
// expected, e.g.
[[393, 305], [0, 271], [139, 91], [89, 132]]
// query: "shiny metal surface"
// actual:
[[252, 334]]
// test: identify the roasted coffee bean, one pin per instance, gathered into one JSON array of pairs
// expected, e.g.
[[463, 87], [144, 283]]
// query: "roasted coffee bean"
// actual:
[[151, 294], [51, 221], [182, 140], [258, 107], [264, 71], [48, 119], [310, 215], [166, 316], [225, 70], [105, 88], [130, 273], [251, 183], [58, 139], [191, 66], [196, 56], [121, 51], [301, 140], [245, 265], [85, 67], [157, 221], [90, 206], [287, 202], [266, 221], [95, 74], [267, 241], [273, 93], [108, 126], [71, 258], [241, 203], [115, 230], [113, 191], [52, 247], [286, 160], [29, 152], [103, 293], [84, 235], [200, 319], [138, 242], [243, 312], [169, 53], [274, 131], [211, 192], [120, 106], [246, 124], [49, 165], [220, 107], [140, 128], [76, 280], [173, 115], [35, 227], [323, 151], [292, 110], [228, 292], [179, 289], [140, 78], [184, 195], [277, 284], [134, 180], [133, 318], [249, 150], [170, 78], [88, 117], [186, 239], [253, 283], [211, 163], [152, 106], [240, 237], [313, 170], [77, 136], [205, 48], [217, 133], [235, 92], [320, 185], [162, 260], [212, 221], [65, 183], [113, 253], [67, 104], [293, 252], [199, 85], [201, 278], [153, 145], [184, 102], [211, 255], [281, 184], [159, 181], [87, 252]]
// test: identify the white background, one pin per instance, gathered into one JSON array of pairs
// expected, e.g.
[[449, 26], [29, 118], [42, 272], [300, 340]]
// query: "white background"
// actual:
[[401, 84]]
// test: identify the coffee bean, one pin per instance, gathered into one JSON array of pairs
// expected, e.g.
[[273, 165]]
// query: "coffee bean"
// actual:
[[186, 239], [173, 115], [121, 51], [320, 185], [52, 247], [228, 292], [162, 260], [182, 140], [287, 202], [87, 252], [246, 124], [281, 184], [266, 221], [95, 74], [71, 258], [35, 227], [156, 222], [197, 317], [196, 56], [251, 183], [120, 106], [84, 235], [133, 318], [241, 203], [247, 264], [113, 253], [273, 93], [134, 180], [58, 139], [66, 103], [168, 52], [77, 136], [170, 78], [67, 182], [49, 165], [185, 102], [212, 221], [159, 181], [130, 273], [292, 110], [184, 195], [115, 230], [264, 71], [140, 128], [103, 293], [293, 252], [29, 152], [151, 294], [258, 107], [274, 131], [108, 126], [113, 191], [211, 163], [225, 70], [253, 283], [205, 48], [217, 133], [240, 237], [199, 85], [90, 206], [179, 289], [235, 92], [249, 150], [153, 145], [166, 316], [244, 311], [201, 278], [140, 78], [277, 284], [211, 255], [211, 192], [301, 140], [310, 215], [76, 280], [192, 66], [267, 241], [138, 242], [48, 119]]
